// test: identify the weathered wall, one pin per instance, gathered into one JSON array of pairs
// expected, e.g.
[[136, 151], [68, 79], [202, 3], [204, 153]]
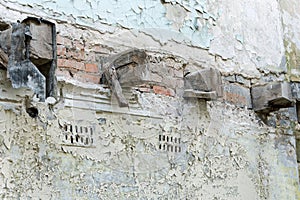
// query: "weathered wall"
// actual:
[[162, 146], [291, 36]]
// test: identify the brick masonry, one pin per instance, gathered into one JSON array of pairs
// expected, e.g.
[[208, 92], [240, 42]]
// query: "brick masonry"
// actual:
[[237, 94]]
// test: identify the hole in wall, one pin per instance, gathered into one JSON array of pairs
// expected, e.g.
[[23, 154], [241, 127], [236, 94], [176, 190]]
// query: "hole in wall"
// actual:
[[298, 110], [4, 26], [32, 112], [101, 121]]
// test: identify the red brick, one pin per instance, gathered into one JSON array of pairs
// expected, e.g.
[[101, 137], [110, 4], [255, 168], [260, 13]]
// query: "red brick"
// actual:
[[69, 63], [91, 67], [75, 54], [63, 41], [96, 48], [163, 91], [61, 51], [235, 98], [237, 94], [59, 39]]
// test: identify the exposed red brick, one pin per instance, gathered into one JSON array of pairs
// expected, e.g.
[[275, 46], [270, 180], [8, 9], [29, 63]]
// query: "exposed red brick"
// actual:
[[235, 98], [96, 48], [75, 54], [63, 41], [59, 39], [163, 91], [70, 63], [91, 67], [61, 51]]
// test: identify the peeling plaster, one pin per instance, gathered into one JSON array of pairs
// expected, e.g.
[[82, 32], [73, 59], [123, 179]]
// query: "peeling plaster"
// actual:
[[221, 151], [225, 29]]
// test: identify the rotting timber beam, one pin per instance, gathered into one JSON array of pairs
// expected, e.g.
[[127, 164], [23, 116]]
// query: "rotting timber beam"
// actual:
[[203, 84], [111, 65], [3, 59], [28, 52], [5, 44], [22, 72], [271, 97]]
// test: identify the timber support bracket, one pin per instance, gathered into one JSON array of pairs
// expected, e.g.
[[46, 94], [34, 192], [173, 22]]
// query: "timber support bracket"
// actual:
[[115, 62], [28, 52]]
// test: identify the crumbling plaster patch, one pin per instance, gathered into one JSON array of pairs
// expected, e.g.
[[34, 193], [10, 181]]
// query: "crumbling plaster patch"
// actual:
[[220, 27], [223, 148]]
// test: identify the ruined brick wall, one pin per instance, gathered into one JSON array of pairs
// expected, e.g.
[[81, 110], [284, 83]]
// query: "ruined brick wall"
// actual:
[[82, 145]]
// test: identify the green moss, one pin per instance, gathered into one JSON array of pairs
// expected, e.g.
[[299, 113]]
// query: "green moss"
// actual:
[[292, 54]]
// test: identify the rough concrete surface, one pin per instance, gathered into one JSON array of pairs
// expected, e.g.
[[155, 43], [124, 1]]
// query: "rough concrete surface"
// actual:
[[80, 144]]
